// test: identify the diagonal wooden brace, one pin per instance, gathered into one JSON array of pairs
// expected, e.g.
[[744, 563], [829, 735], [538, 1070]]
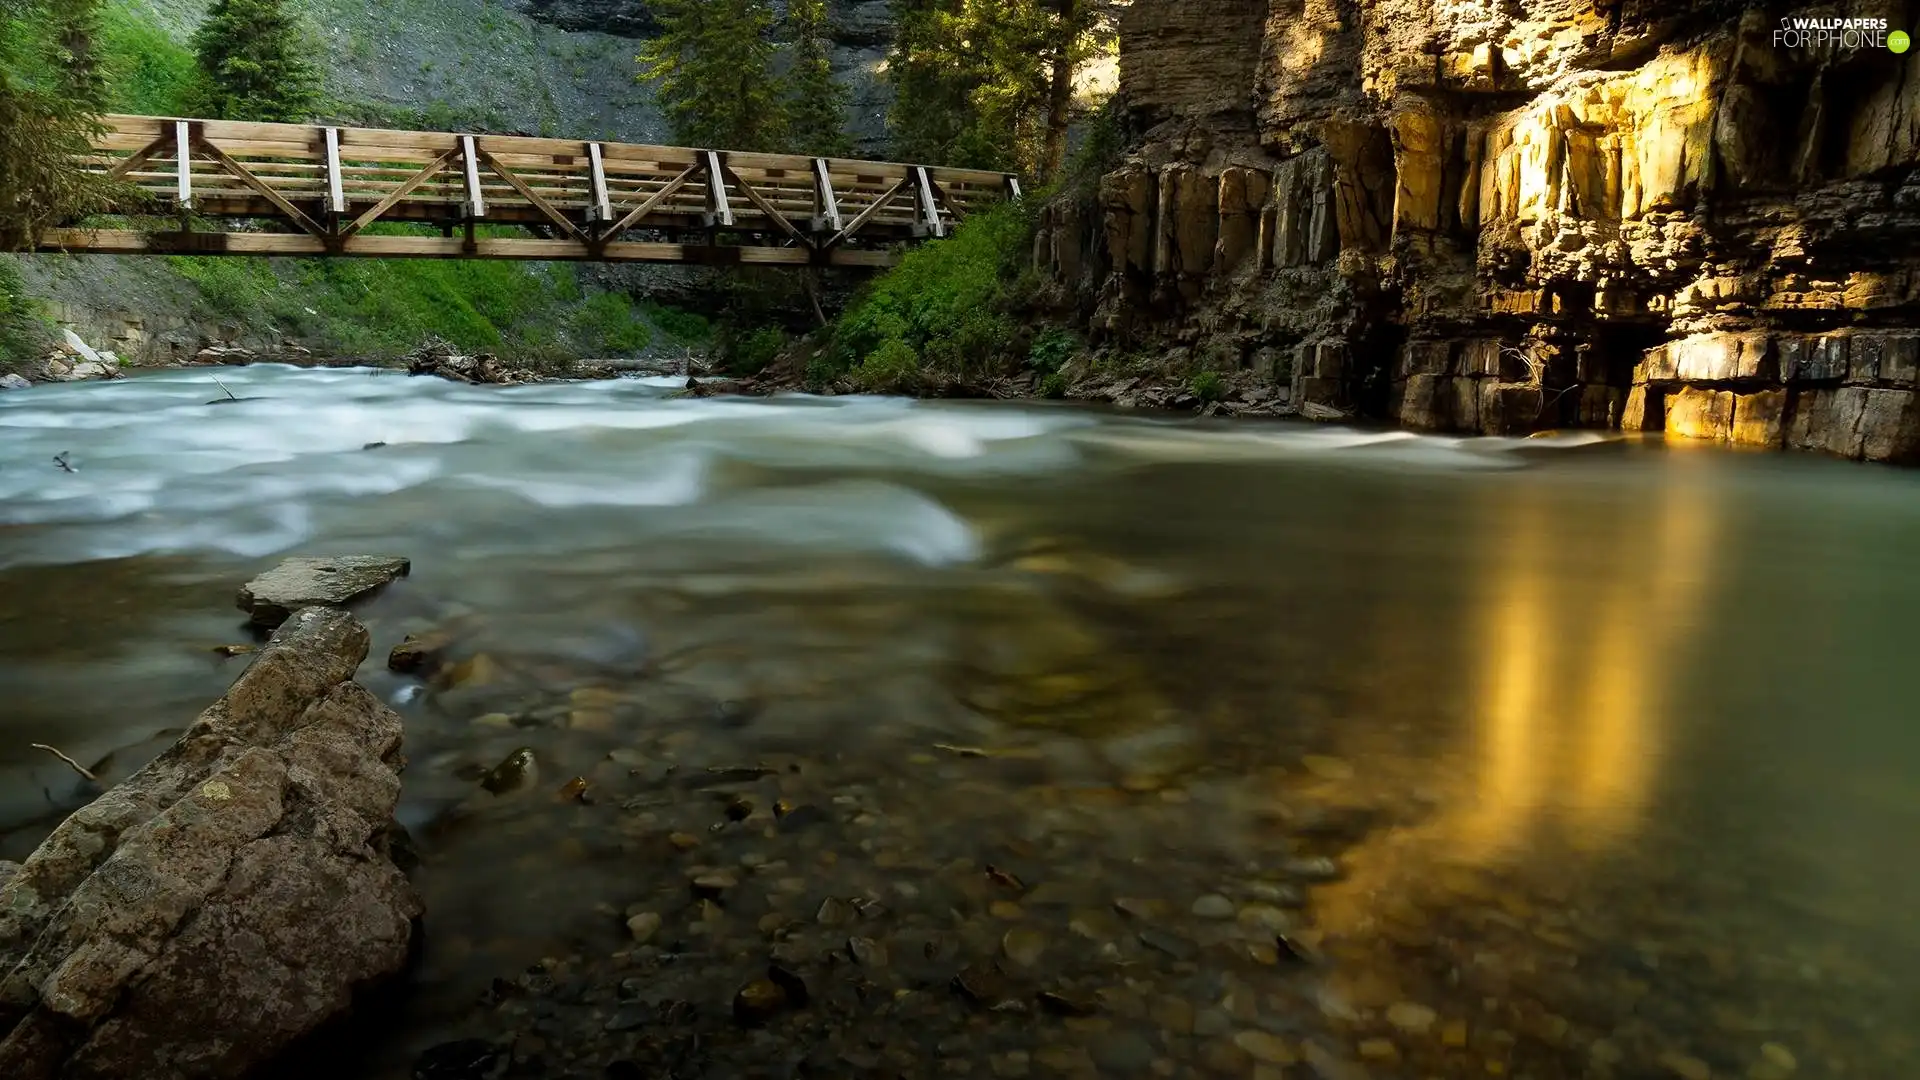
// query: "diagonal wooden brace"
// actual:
[[405, 189], [666, 192], [866, 215], [252, 180], [761, 204], [546, 208]]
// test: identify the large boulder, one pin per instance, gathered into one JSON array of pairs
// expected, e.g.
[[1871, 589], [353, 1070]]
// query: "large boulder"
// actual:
[[10, 381], [228, 898], [306, 582]]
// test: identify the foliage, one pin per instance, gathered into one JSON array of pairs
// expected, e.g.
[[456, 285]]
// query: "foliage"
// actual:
[[681, 327], [973, 79], [1052, 349], [816, 104], [1102, 146], [1054, 385], [49, 91], [16, 313], [147, 72], [751, 354], [1207, 386], [713, 66], [944, 306], [253, 57], [893, 368]]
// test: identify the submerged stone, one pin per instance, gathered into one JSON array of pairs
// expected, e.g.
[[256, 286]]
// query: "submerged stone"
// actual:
[[316, 582]]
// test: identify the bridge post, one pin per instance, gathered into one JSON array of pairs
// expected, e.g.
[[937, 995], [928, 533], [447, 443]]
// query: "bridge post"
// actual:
[[826, 205], [719, 212], [476, 204], [336, 189], [183, 153], [600, 209], [929, 209]]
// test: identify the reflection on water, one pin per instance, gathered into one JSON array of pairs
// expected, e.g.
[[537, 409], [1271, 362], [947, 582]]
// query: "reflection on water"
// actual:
[[1607, 744]]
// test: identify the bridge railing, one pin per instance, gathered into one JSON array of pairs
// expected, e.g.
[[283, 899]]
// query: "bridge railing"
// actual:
[[327, 184]]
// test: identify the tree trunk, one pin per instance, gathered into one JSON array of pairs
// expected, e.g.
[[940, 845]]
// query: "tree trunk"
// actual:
[[1060, 91]]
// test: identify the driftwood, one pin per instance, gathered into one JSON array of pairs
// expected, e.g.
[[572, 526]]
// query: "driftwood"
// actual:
[[74, 765]]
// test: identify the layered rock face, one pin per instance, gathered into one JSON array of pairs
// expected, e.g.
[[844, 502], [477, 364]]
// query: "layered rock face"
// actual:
[[226, 899], [1505, 217]]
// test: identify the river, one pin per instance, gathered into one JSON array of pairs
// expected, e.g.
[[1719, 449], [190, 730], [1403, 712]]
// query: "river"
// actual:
[[1611, 747]]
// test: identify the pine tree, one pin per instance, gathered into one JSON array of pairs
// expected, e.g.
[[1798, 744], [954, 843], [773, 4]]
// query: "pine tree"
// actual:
[[986, 83], [816, 104], [713, 66], [49, 97], [253, 59]]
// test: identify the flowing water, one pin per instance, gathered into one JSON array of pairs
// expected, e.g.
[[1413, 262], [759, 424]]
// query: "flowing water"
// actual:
[[1610, 747]]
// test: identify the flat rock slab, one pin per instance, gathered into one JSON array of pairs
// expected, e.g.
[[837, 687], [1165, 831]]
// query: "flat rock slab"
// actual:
[[322, 582]]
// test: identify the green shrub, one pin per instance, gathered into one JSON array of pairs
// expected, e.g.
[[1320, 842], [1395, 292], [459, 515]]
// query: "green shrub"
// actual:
[[16, 314], [945, 304], [681, 327], [1207, 386], [1054, 385], [1052, 349], [892, 368], [751, 355]]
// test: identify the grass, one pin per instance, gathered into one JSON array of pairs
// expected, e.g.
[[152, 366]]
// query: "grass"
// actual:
[[147, 71], [374, 308]]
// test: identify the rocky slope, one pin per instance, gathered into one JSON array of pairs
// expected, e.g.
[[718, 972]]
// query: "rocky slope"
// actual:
[[1634, 214]]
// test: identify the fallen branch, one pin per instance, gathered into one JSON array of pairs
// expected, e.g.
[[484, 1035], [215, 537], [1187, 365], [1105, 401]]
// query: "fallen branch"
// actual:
[[76, 766], [223, 386]]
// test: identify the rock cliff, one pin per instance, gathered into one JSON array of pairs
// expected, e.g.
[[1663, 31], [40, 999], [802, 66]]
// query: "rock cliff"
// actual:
[[1503, 217]]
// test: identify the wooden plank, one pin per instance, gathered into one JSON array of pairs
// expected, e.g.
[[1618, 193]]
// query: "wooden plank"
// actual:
[[287, 209], [602, 204], [534, 197], [183, 153], [476, 206], [826, 204], [866, 215], [929, 209], [779, 220], [719, 213], [399, 193], [336, 189]]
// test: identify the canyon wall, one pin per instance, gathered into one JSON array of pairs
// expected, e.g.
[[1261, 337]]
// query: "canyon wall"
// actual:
[[1504, 216]]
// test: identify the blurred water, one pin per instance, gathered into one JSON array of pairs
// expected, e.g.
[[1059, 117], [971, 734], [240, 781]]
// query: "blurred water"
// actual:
[[1667, 683]]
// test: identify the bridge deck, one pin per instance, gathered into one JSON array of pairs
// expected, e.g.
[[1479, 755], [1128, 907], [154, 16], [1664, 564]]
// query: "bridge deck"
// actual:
[[321, 187]]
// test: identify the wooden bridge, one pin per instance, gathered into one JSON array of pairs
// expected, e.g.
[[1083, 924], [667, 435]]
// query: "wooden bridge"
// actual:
[[314, 190]]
